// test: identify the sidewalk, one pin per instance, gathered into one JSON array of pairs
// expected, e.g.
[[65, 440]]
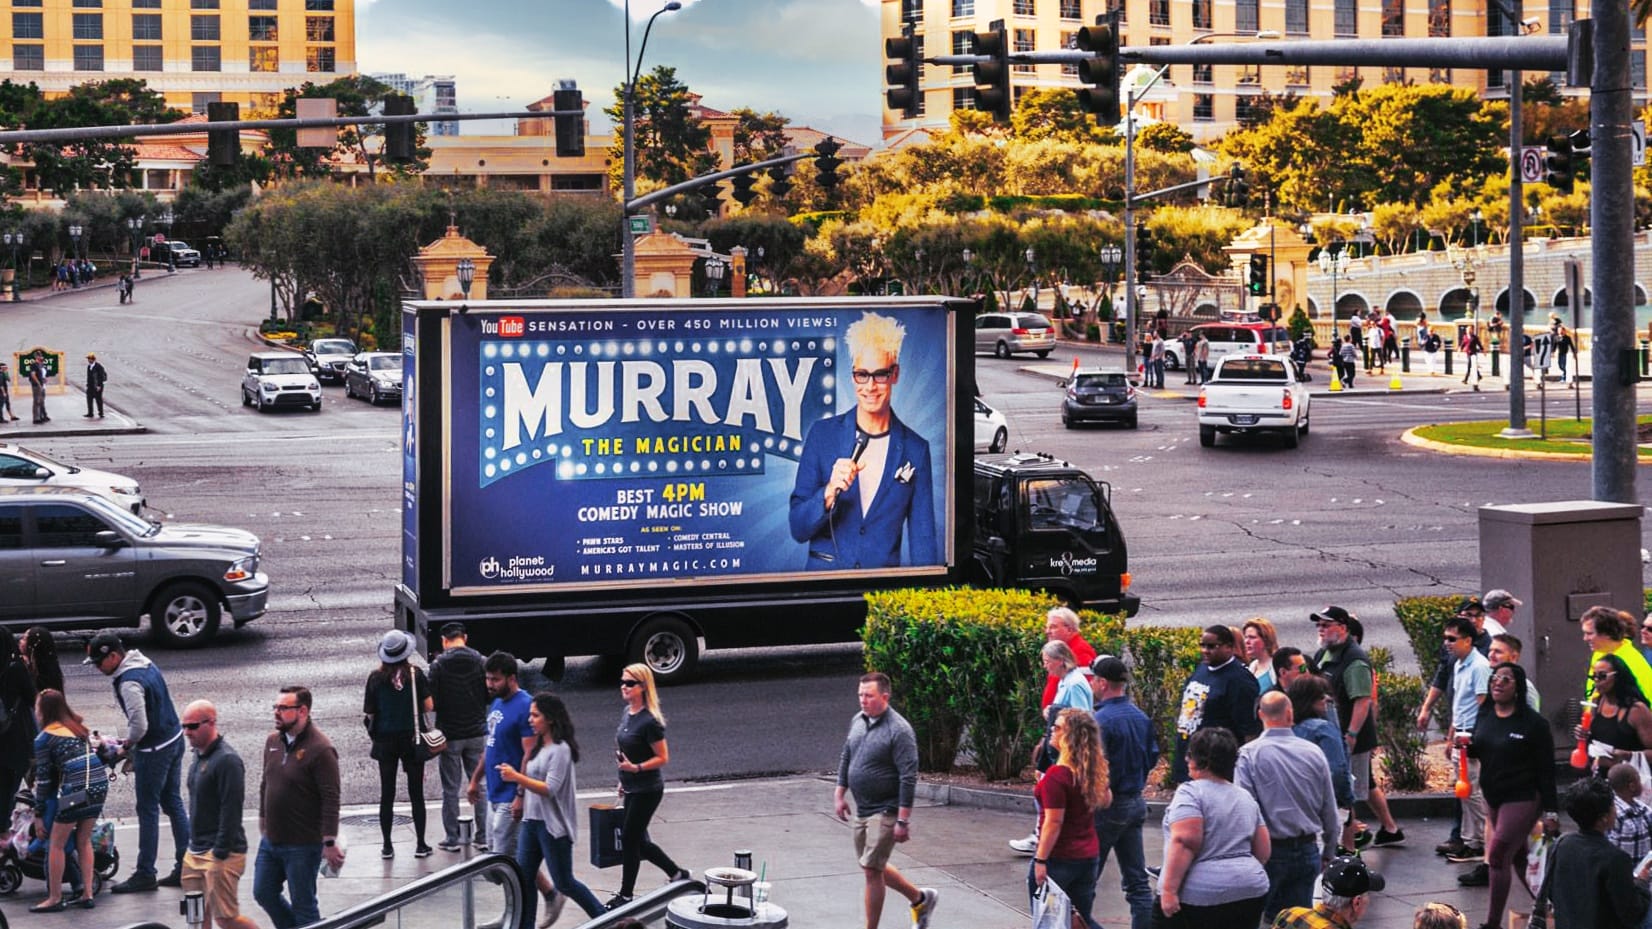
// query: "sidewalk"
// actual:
[[67, 412], [958, 847]]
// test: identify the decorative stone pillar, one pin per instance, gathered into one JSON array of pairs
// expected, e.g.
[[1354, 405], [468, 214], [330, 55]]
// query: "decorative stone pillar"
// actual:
[[737, 261], [664, 266], [438, 265]]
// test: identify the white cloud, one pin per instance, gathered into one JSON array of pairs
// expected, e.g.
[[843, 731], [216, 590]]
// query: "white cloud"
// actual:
[[642, 9]]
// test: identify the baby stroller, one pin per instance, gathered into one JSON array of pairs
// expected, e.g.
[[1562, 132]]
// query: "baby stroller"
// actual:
[[22, 855]]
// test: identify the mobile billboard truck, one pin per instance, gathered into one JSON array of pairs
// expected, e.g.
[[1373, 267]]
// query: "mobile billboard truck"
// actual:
[[647, 478]]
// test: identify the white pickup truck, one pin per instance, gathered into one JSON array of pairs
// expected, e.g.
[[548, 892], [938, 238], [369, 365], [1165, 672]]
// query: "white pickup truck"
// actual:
[[1253, 393]]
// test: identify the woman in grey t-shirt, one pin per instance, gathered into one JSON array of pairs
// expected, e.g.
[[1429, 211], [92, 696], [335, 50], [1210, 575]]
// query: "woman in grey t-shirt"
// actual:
[[1215, 843], [549, 823]]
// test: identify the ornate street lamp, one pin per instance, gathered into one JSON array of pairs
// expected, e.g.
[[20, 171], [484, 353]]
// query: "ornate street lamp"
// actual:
[[135, 224], [1334, 260], [714, 276], [1474, 220], [14, 241], [171, 259]]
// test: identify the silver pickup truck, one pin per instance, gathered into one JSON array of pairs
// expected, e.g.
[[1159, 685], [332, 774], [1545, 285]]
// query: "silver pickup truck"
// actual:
[[70, 559], [1253, 393]]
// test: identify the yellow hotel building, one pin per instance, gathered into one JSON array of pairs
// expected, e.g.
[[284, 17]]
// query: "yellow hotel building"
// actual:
[[193, 51]]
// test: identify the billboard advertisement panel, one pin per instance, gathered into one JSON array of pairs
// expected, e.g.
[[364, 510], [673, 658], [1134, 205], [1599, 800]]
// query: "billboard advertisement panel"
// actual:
[[591, 447], [410, 459]]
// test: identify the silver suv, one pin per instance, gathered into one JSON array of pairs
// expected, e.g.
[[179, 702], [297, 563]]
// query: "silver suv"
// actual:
[[278, 379], [1005, 334], [72, 560]]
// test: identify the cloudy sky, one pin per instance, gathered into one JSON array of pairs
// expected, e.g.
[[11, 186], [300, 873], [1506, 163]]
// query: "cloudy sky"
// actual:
[[818, 62]]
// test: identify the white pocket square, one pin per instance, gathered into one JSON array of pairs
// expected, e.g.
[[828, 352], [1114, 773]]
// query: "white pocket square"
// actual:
[[904, 474]]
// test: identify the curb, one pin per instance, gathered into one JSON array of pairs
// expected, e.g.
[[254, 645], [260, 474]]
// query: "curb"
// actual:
[[1020, 800], [1410, 437]]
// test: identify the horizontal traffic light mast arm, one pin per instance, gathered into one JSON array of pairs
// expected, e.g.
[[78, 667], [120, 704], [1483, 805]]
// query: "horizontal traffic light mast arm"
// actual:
[[1517, 53], [1165, 191], [666, 193], [80, 133]]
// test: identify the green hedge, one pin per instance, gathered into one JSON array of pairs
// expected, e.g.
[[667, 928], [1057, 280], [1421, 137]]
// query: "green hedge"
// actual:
[[1423, 619]]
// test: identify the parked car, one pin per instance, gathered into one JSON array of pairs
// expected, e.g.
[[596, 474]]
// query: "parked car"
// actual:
[[1253, 393], [1229, 338], [23, 467], [992, 430], [181, 253], [70, 559], [327, 358], [1099, 396], [374, 376], [1006, 334], [278, 379]]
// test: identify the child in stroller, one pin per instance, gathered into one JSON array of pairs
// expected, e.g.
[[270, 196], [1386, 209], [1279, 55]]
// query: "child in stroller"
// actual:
[[24, 855]]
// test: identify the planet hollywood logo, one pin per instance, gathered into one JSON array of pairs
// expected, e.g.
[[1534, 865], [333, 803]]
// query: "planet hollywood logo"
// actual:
[[516, 568]]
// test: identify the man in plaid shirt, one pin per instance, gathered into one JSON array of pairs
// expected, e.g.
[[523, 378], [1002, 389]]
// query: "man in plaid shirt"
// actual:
[[1633, 833]]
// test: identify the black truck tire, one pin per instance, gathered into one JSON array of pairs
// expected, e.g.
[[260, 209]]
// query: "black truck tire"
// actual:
[[669, 648]]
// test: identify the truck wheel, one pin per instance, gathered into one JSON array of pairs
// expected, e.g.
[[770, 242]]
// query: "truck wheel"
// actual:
[[1043, 354], [1130, 423], [1002, 350], [668, 647], [1292, 437], [1303, 427], [1207, 436], [185, 615], [245, 400]]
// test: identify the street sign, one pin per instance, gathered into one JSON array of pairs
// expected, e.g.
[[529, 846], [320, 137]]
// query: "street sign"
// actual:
[[1531, 163], [641, 224], [1637, 144]]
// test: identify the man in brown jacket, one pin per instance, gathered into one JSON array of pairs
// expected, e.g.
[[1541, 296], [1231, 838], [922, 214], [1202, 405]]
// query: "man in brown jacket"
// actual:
[[297, 813]]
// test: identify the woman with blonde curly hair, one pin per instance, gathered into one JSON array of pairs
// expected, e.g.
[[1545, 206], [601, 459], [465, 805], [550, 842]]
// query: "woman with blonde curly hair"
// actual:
[[1261, 641], [1068, 793]]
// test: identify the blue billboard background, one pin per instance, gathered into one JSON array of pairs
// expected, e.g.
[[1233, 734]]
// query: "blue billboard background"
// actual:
[[410, 459], [600, 447]]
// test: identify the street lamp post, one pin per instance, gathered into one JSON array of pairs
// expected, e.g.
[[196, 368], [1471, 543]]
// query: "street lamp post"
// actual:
[[466, 270], [75, 232], [714, 276], [1474, 219], [1333, 260], [171, 259], [135, 224], [628, 245], [1111, 256], [14, 241], [1032, 273]]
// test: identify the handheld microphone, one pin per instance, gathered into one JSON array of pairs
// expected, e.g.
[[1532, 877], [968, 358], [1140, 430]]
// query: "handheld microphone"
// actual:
[[861, 441]]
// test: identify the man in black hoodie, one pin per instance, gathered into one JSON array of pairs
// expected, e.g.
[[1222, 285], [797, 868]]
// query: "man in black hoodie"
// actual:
[[461, 696]]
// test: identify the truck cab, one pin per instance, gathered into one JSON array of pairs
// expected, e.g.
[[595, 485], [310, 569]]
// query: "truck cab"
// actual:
[[1044, 524]]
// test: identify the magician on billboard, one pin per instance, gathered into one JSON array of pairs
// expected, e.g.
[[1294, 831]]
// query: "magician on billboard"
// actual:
[[864, 480]]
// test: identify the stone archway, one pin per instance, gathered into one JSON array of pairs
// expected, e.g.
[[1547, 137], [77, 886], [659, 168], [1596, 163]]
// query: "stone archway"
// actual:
[[1454, 303], [1349, 304], [1404, 305], [1503, 302]]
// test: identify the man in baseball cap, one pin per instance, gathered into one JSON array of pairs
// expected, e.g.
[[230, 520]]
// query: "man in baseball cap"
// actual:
[[1132, 751], [1499, 605], [1348, 885]]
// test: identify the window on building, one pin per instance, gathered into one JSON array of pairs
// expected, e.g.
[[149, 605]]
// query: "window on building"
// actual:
[[1297, 76], [1249, 74], [28, 57], [263, 29], [318, 6], [264, 59], [268, 5], [1026, 8], [1393, 75], [1069, 40], [1024, 42], [198, 101], [1637, 68], [1346, 18], [318, 28], [1246, 17], [1347, 76], [203, 4], [963, 98], [28, 26], [1158, 13], [1201, 14], [146, 4], [88, 58], [1070, 10], [1204, 74], [589, 182], [33, 3], [1296, 17], [203, 28], [1244, 107], [1439, 18], [963, 7], [146, 27], [912, 11], [1204, 108], [88, 25], [1439, 75], [963, 43], [92, 4], [323, 60], [206, 58], [1393, 18], [146, 58]]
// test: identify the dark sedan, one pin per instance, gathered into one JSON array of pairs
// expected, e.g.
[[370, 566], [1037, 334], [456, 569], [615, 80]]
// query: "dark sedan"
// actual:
[[374, 376], [1099, 397]]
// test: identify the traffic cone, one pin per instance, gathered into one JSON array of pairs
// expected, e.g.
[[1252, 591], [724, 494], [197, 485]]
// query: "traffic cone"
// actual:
[[1075, 368], [1395, 384], [1336, 382]]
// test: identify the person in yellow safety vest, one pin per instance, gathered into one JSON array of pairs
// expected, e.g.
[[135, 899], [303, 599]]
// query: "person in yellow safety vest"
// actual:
[[1607, 631]]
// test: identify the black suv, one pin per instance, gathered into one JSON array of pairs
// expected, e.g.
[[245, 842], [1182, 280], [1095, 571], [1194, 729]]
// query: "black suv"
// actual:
[[70, 559], [1043, 524]]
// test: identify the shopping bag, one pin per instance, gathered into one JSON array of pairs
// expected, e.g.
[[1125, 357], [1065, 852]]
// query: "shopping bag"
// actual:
[[1051, 908], [1537, 861], [606, 821]]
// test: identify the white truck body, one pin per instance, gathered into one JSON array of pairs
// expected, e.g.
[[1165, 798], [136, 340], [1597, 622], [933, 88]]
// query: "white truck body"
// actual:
[[1253, 393]]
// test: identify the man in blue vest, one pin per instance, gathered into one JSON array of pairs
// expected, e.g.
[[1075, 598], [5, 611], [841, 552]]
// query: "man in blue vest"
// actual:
[[154, 753]]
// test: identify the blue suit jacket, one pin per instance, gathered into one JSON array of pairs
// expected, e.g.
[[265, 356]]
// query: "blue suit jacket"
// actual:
[[842, 537]]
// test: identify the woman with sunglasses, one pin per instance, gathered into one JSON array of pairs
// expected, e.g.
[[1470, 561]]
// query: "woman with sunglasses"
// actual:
[[1068, 795], [549, 814], [1516, 755], [1622, 722], [640, 754]]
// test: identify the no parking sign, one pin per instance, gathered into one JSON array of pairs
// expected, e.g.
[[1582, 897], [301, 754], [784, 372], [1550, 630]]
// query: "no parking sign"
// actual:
[[1531, 163]]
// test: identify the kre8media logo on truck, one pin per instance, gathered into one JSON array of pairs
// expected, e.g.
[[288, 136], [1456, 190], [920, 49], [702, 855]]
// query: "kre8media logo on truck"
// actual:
[[508, 327]]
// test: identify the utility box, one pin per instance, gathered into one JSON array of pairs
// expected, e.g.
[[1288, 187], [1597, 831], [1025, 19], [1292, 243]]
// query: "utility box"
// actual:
[[1560, 559]]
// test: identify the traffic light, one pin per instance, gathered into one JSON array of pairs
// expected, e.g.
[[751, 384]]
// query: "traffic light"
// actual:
[[1557, 164], [570, 128], [223, 145], [827, 163], [780, 183], [1144, 253], [1101, 70], [711, 198], [743, 191], [1258, 284], [398, 137], [903, 72], [1236, 192], [992, 77]]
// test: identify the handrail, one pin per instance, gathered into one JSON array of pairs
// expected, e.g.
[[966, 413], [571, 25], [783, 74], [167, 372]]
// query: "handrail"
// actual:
[[371, 912], [646, 907]]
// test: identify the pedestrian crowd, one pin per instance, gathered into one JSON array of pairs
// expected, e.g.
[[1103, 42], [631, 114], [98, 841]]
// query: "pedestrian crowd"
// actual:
[[71, 273], [514, 749]]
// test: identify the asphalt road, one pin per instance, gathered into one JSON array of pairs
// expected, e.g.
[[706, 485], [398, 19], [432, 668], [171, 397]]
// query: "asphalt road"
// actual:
[[1352, 517]]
